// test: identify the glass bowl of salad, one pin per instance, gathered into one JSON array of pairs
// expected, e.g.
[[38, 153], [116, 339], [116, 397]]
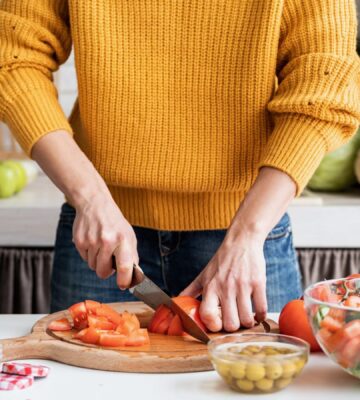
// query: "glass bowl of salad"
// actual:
[[333, 308], [258, 362]]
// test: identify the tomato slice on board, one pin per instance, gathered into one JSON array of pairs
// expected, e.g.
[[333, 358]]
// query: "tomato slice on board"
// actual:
[[91, 306], [112, 339], [62, 324], [106, 311], [139, 337], [88, 335], [175, 327], [126, 316], [101, 323], [191, 306], [127, 327], [161, 313], [79, 315]]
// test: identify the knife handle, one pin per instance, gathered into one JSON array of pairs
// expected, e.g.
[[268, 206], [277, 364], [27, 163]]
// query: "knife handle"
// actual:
[[137, 273]]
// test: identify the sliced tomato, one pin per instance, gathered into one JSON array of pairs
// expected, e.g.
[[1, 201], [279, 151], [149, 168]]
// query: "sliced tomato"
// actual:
[[338, 340], [175, 327], [127, 327], [349, 355], [88, 335], [331, 324], [101, 322], [91, 306], [163, 326], [191, 306], [79, 315], [112, 339], [140, 337], [161, 313], [126, 316], [352, 301], [62, 324], [106, 311]]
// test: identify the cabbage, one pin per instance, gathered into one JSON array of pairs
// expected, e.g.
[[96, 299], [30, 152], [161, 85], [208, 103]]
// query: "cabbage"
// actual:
[[336, 171]]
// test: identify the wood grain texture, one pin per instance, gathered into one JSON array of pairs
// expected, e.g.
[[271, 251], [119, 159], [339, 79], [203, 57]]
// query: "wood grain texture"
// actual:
[[164, 354]]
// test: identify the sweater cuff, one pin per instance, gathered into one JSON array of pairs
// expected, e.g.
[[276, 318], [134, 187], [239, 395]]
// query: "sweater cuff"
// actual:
[[32, 109], [297, 145]]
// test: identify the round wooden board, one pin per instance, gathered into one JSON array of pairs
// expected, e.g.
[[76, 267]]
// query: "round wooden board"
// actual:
[[164, 354]]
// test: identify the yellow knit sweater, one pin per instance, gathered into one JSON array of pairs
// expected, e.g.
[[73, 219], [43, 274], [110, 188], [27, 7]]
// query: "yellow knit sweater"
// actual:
[[182, 101]]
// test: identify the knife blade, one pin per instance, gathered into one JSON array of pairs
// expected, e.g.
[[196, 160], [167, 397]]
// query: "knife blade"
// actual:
[[148, 292]]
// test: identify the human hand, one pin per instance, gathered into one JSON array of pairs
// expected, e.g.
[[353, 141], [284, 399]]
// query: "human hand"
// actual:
[[100, 231], [233, 278]]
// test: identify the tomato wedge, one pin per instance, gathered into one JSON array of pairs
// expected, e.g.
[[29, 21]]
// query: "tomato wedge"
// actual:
[[165, 322], [352, 301], [106, 311], [191, 306], [101, 323], [112, 339], [79, 315], [331, 324], [62, 324], [88, 335], [175, 327], [91, 306], [139, 337]]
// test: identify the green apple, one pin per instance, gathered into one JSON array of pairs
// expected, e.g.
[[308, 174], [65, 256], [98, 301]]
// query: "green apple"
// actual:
[[19, 171], [8, 181]]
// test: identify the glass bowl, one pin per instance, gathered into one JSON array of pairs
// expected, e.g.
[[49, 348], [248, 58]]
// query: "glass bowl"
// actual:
[[258, 362], [333, 309]]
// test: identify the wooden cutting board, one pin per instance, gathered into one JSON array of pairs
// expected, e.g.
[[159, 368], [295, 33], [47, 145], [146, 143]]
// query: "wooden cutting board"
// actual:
[[164, 354]]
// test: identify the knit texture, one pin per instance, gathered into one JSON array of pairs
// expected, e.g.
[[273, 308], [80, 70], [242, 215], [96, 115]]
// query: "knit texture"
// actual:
[[182, 101]]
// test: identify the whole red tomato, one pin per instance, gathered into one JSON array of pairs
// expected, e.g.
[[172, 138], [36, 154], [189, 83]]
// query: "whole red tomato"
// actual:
[[293, 321]]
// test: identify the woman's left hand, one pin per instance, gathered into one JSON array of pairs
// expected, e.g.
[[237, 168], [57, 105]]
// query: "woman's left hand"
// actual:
[[233, 278]]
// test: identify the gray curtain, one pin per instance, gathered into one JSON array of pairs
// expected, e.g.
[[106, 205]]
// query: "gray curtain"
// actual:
[[25, 274], [25, 280], [319, 264]]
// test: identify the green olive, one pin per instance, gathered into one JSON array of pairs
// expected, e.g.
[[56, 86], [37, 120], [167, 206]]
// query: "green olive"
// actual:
[[254, 349], [274, 370], [238, 370], [255, 371], [289, 369], [270, 351], [222, 368], [282, 383], [245, 385], [264, 384], [299, 364]]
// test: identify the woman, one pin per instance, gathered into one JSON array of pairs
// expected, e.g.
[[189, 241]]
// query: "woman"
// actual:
[[197, 123]]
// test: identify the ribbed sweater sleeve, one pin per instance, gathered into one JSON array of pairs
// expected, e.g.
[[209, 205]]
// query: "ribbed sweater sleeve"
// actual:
[[317, 104], [34, 41]]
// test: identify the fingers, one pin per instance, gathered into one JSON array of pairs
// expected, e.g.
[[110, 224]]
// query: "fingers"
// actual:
[[194, 289], [104, 267], [260, 302], [125, 256], [230, 314], [210, 312], [92, 253], [245, 307]]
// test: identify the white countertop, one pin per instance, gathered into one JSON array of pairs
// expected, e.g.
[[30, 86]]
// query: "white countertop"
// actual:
[[319, 219], [320, 380]]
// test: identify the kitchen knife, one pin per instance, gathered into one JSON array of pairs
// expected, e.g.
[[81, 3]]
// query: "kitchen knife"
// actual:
[[153, 296]]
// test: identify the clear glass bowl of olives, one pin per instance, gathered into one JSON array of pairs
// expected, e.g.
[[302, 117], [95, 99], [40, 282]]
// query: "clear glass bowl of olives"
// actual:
[[258, 362]]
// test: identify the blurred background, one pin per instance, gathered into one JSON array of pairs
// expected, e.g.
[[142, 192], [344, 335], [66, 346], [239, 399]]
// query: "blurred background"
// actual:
[[326, 218]]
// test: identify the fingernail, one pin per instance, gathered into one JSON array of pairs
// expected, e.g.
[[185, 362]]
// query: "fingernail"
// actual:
[[122, 288]]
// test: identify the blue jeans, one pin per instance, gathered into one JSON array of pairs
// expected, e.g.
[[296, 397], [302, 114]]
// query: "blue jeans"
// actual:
[[172, 260]]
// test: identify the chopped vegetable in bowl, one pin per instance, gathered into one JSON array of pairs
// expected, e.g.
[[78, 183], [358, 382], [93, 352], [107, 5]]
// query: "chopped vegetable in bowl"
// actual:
[[333, 309]]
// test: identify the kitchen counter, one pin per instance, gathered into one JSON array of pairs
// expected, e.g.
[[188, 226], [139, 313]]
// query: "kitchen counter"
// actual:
[[29, 219], [320, 380]]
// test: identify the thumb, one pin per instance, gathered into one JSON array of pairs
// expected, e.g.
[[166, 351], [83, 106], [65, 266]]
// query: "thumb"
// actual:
[[194, 289]]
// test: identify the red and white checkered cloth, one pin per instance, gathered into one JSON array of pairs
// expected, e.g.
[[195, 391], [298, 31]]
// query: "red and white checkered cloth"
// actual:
[[11, 382], [25, 369]]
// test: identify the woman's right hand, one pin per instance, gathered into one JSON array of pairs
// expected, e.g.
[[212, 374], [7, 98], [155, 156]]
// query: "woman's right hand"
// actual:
[[100, 231]]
